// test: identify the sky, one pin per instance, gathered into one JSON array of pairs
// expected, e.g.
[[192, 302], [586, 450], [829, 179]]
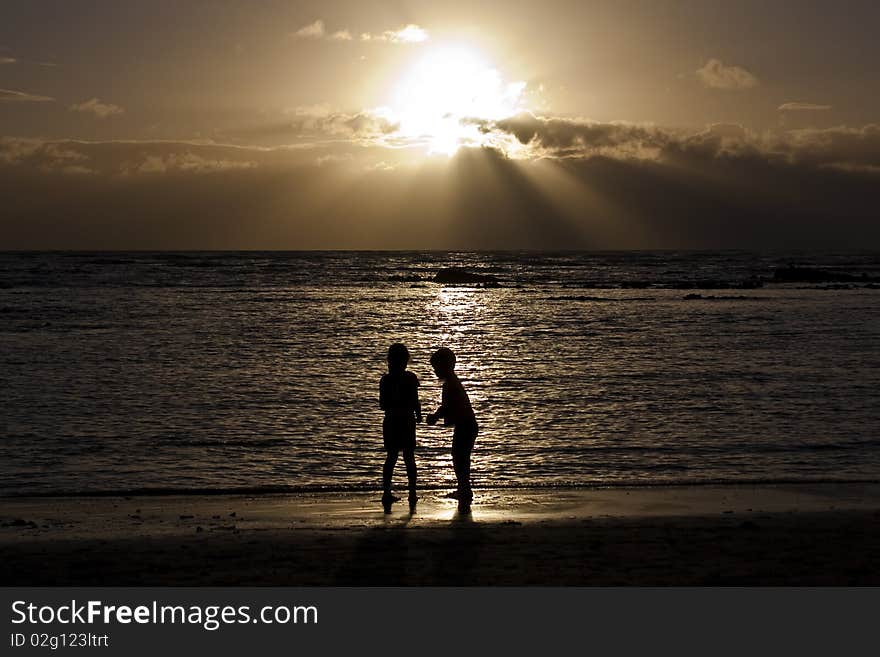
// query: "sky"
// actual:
[[236, 124]]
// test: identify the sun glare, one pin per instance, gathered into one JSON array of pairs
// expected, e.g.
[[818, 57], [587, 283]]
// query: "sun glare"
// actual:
[[448, 86]]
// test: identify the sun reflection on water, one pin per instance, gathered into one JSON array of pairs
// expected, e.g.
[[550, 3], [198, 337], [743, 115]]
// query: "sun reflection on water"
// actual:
[[464, 320]]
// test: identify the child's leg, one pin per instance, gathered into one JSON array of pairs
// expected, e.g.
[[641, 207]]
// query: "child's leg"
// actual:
[[388, 470], [409, 457], [461, 459], [461, 462], [462, 445]]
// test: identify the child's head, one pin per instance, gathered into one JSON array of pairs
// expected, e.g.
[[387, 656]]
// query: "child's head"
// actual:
[[398, 357], [443, 362]]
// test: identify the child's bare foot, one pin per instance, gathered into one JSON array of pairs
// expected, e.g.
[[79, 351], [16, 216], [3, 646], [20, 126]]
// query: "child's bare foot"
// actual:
[[387, 500]]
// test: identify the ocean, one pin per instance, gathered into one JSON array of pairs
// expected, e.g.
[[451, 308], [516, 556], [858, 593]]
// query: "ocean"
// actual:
[[259, 371]]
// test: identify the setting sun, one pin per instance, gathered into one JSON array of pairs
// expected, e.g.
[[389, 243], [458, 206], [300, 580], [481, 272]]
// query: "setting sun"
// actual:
[[445, 87]]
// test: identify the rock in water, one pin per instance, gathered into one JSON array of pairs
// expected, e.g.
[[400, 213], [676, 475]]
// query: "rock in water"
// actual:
[[796, 274], [459, 276]]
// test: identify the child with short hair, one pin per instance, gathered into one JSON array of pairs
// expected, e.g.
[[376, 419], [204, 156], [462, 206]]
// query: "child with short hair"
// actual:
[[455, 409], [399, 398]]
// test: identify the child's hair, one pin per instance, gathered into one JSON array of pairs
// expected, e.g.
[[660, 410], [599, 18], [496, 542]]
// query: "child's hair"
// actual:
[[398, 356], [443, 359]]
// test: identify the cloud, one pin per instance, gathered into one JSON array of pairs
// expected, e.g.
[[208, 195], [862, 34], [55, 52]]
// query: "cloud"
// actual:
[[803, 107], [44, 156], [125, 158], [562, 137], [321, 121], [716, 75], [581, 184], [6, 59], [362, 124], [62, 158], [527, 136], [333, 158], [311, 31], [16, 149], [98, 108], [186, 162], [410, 33], [721, 187], [841, 147], [852, 149], [722, 131], [8, 95]]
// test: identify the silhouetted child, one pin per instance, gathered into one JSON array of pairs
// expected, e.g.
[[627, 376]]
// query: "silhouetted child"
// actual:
[[399, 398], [455, 409]]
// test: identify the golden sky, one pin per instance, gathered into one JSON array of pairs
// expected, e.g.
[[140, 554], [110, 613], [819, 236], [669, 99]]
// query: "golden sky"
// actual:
[[233, 124]]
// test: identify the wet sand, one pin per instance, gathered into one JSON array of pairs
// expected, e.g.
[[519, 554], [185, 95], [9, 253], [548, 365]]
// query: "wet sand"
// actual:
[[806, 534]]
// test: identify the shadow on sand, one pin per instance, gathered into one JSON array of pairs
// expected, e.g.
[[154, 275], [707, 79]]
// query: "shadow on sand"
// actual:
[[390, 555]]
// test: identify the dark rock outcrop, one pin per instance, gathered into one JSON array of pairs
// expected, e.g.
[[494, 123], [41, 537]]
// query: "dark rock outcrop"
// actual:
[[459, 276], [796, 274]]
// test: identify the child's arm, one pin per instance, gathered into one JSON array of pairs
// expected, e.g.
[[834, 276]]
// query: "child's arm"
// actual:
[[441, 410], [436, 415], [383, 401], [416, 404]]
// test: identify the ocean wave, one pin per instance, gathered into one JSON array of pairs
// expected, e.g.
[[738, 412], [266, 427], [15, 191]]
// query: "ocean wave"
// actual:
[[583, 298], [258, 491]]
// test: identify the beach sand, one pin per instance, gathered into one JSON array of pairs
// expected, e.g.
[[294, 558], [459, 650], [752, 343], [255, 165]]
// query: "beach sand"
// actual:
[[805, 534]]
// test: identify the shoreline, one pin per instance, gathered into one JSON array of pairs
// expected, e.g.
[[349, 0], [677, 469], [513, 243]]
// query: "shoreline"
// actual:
[[818, 534], [275, 490]]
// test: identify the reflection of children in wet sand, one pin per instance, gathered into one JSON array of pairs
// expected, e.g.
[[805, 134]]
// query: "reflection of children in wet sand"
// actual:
[[399, 398], [455, 409]]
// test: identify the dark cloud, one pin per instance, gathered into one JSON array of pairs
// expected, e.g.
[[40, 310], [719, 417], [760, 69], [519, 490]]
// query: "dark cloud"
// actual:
[[841, 146], [591, 185], [168, 195], [559, 137], [746, 201]]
